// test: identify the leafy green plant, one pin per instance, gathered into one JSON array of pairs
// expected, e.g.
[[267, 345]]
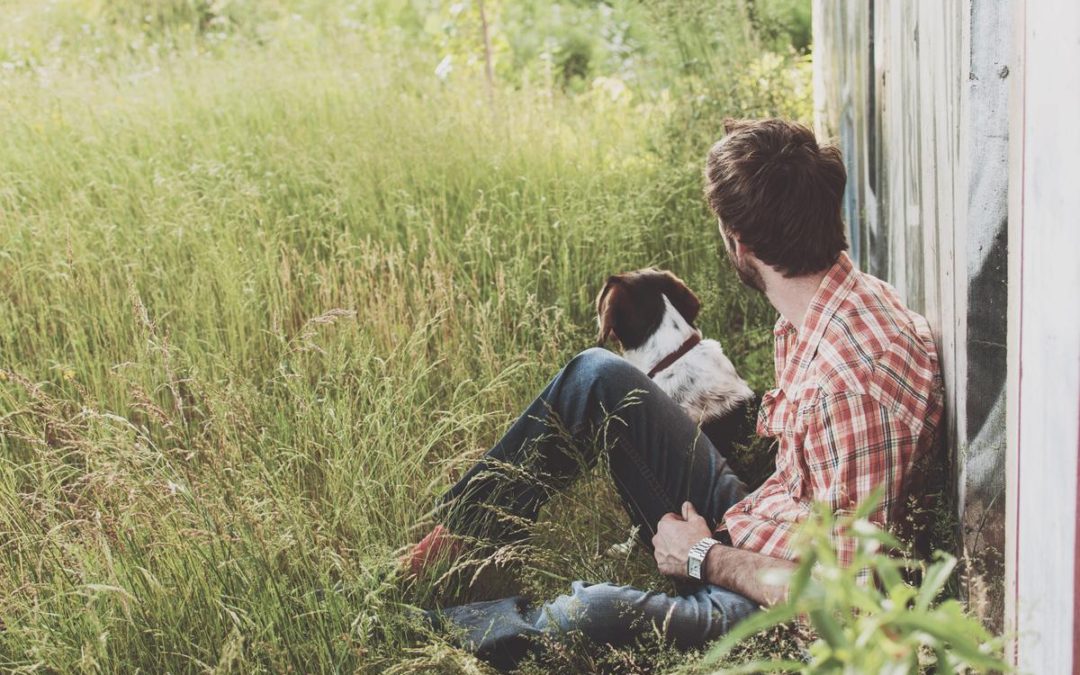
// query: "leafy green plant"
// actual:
[[863, 626], [782, 24]]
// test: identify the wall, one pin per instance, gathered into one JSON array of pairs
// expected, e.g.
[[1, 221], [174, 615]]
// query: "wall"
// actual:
[[1044, 338], [916, 93]]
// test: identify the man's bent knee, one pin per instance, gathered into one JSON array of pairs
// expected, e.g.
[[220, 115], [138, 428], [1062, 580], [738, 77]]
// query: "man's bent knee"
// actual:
[[596, 358], [609, 373]]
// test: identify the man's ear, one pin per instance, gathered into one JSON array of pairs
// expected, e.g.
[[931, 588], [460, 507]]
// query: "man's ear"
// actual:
[[606, 307], [681, 297], [738, 248]]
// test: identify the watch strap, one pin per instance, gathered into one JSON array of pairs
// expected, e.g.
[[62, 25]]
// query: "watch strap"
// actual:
[[697, 554]]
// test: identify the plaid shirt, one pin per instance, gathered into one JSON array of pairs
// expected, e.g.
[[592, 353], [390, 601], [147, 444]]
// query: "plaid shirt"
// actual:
[[858, 398]]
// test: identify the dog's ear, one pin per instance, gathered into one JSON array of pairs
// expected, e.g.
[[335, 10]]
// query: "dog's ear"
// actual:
[[606, 307], [681, 297], [629, 308]]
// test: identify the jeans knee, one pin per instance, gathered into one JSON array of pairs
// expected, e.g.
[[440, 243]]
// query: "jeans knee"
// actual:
[[594, 358], [606, 372]]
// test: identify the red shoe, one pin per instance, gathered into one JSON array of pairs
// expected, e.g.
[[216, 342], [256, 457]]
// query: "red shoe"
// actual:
[[438, 545]]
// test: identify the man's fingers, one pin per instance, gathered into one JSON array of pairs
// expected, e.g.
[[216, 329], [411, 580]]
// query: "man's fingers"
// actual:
[[670, 516], [688, 511]]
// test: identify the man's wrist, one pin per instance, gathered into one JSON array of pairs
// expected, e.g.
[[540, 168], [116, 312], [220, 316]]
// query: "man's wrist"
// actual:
[[713, 563], [716, 569]]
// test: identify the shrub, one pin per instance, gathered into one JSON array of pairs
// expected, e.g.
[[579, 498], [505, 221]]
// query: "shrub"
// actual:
[[863, 626]]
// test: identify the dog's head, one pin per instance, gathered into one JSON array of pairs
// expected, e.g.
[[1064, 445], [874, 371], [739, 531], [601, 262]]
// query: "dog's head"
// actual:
[[631, 305]]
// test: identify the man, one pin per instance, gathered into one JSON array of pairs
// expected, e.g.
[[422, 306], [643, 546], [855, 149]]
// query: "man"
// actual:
[[857, 400]]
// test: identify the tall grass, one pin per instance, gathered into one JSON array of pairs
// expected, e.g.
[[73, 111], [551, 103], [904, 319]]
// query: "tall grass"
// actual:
[[267, 285]]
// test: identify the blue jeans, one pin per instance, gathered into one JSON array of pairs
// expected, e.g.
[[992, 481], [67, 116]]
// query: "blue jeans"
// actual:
[[597, 407]]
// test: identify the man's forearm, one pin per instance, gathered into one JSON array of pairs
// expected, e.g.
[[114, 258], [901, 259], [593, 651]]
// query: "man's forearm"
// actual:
[[741, 571]]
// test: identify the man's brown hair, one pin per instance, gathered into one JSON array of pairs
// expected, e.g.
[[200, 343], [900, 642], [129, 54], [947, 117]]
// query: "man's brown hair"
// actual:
[[779, 193]]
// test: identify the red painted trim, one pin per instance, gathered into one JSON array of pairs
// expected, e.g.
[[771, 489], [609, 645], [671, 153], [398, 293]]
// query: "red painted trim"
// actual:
[[1076, 561]]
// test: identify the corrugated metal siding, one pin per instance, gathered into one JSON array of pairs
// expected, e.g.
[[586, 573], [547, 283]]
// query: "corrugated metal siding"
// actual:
[[915, 93]]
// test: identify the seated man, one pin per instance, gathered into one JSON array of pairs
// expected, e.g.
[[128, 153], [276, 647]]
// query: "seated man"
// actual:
[[857, 400]]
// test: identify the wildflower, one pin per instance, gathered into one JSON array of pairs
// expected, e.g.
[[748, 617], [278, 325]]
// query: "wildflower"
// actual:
[[442, 71], [614, 87], [3, 376], [69, 374]]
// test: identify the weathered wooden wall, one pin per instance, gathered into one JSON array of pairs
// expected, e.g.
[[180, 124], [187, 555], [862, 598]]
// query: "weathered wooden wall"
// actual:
[[1043, 546], [916, 93]]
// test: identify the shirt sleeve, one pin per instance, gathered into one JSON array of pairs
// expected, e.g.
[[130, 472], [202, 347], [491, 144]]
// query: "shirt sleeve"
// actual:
[[853, 445]]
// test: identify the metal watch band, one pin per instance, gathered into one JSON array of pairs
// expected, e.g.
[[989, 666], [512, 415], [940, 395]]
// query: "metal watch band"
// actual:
[[695, 559]]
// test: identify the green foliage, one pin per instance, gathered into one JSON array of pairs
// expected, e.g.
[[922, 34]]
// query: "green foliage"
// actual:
[[890, 626], [782, 24]]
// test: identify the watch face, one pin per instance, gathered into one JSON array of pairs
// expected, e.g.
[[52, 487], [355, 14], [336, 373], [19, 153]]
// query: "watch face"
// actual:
[[694, 568]]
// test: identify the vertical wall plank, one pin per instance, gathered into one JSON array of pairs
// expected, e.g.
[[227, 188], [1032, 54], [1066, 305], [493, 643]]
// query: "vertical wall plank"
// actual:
[[1044, 394]]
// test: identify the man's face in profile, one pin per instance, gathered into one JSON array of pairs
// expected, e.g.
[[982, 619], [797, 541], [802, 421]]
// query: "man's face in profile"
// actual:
[[748, 273]]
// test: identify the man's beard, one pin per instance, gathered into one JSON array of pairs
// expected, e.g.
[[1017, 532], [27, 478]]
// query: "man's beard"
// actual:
[[748, 274]]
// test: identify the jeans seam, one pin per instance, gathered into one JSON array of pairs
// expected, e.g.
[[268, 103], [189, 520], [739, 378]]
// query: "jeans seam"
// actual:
[[650, 479]]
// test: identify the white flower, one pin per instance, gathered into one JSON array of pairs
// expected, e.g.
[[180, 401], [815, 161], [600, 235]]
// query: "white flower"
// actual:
[[612, 86], [442, 71]]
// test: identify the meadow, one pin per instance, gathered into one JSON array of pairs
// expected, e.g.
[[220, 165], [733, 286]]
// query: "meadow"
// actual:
[[273, 273]]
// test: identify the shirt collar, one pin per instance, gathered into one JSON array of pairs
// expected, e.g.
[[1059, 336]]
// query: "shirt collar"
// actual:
[[782, 327], [831, 293]]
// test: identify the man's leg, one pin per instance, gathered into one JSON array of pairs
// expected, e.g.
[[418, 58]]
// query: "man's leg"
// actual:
[[657, 456], [504, 631]]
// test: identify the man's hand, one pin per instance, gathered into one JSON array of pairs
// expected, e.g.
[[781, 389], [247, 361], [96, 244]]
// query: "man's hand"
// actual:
[[734, 569], [674, 537]]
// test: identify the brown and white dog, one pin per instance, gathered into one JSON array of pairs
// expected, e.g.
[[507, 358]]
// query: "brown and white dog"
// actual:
[[651, 314]]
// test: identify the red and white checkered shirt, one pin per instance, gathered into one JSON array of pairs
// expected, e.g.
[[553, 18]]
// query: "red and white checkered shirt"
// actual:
[[858, 398]]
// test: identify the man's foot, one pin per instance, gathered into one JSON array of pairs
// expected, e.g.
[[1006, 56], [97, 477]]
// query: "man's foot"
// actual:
[[439, 545]]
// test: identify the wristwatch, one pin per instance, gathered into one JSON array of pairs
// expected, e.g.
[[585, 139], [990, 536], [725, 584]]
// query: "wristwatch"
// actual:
[[695, 560]]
